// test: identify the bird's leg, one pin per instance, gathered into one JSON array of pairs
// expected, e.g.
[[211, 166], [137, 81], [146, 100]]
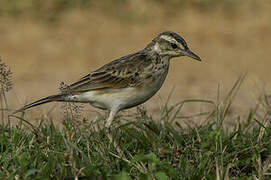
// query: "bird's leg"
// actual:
[[109, 133], [110, 118], [108, 123]]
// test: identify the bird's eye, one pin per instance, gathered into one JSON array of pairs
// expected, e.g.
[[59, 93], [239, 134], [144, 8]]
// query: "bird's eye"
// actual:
[[173, 45]]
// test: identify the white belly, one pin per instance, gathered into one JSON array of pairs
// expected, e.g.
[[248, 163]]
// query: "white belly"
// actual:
[[122, 98]]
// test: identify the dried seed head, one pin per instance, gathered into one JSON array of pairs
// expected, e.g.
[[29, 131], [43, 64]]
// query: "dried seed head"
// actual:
[[63, 87], [70, 108], [5, 77]]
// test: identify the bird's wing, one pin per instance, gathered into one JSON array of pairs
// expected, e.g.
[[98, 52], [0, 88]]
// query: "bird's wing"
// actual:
[[121, 73]]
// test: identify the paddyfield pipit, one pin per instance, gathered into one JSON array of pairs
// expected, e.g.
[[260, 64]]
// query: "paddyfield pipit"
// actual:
[[125, 82]]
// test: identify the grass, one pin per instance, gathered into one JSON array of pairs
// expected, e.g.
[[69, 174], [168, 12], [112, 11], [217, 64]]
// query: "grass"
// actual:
[[152, 149]]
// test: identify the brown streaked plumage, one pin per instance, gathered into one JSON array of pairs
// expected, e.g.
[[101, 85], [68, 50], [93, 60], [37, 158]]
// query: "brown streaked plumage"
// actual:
[[128, 81]]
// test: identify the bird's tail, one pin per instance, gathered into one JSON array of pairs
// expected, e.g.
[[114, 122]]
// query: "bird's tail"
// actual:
[[58, 97]]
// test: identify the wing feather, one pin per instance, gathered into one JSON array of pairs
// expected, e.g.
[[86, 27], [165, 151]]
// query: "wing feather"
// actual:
[[121, 73]]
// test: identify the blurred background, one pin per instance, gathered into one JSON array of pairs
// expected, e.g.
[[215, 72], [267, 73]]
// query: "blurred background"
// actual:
[[47, 42]]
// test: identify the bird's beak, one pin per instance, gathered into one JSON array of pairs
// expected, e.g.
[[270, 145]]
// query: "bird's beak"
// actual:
[[191, 54]]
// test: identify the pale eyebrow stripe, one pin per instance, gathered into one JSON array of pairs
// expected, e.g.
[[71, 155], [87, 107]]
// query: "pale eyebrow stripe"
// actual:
[[170, 39]]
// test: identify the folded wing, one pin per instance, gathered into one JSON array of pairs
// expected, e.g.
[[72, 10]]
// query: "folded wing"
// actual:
[[121, 73]]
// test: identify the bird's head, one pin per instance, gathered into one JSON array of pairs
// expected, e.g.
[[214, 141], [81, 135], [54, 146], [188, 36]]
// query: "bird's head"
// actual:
[[171, 44]]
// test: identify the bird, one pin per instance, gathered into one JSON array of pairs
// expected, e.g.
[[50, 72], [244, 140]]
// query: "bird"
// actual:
[[125, 82]]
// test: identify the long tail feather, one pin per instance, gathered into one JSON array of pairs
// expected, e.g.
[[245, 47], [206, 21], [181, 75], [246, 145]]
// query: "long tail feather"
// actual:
[[48, 99]]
